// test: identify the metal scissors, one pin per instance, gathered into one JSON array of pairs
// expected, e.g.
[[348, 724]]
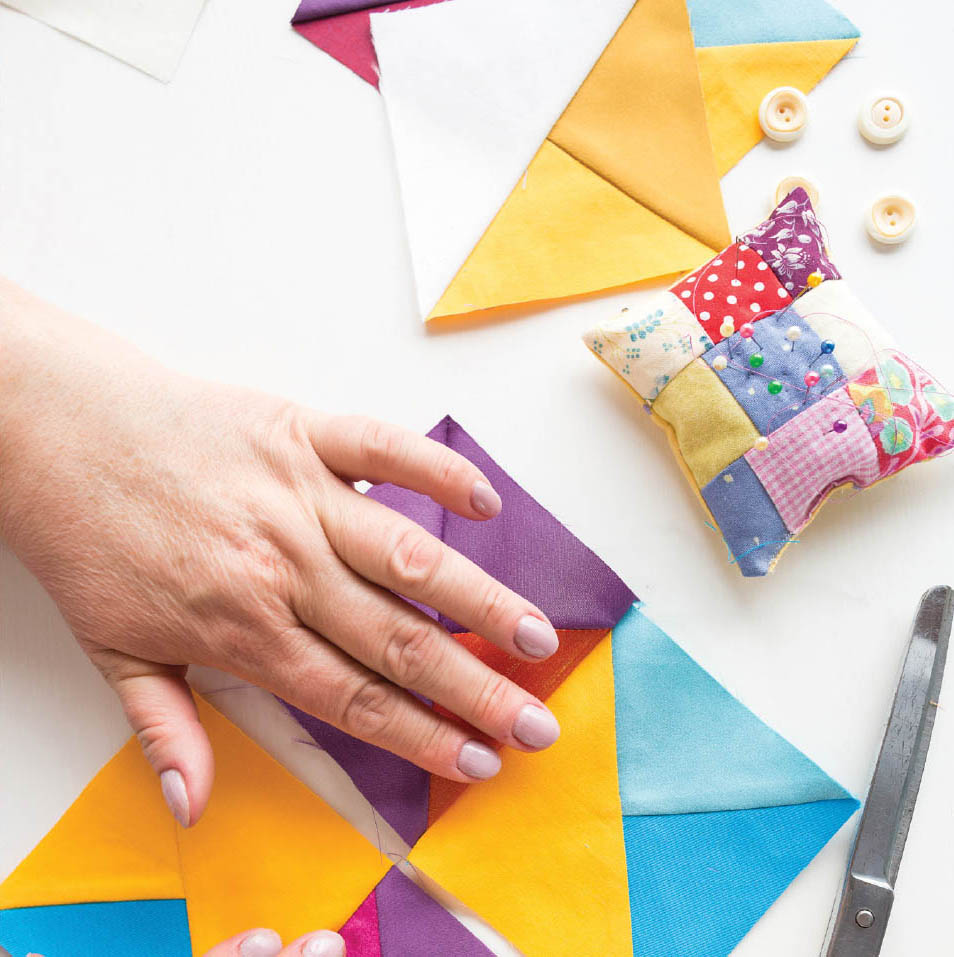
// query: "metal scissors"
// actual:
[[862, 914]]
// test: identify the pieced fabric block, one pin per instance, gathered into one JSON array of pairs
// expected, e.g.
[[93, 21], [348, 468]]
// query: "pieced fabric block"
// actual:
[[750, 366], [798, 389], [665, 820], [708, 427], [735, 287], [649, 350], [813, 453]]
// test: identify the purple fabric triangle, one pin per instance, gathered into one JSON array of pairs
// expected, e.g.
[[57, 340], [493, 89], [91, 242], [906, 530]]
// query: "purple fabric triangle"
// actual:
[[398, 790], [412, 924], [528, 550], [317, 9]]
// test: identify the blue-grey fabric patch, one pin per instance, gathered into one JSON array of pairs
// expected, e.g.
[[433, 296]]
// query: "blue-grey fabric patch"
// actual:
[[717, 23], [784, 361], [747, 518]]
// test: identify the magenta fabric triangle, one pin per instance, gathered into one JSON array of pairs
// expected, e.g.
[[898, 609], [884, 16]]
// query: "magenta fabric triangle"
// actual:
[[525, 547], [399, 920], [360, 931]]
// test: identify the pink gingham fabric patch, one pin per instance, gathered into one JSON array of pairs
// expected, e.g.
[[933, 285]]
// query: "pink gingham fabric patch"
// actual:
[[826, 445]]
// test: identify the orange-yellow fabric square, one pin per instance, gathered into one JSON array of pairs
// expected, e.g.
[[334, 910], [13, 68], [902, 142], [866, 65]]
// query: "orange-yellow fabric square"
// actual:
[[538, 852], [709, 428]]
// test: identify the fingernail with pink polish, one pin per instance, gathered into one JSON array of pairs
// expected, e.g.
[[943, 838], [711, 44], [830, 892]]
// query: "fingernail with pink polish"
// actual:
[[478, 761], [536, 727], [325, 943], [535, 637], [174, 791], [263, 943], [485, 500]]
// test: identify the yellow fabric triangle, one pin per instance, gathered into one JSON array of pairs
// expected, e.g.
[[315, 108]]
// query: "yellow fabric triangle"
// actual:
[[268, 851], [639, 121], [563, 231], [117, 842], [538, 852], [736, 78]]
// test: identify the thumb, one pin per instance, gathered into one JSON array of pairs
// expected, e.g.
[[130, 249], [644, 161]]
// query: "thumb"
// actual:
[[162, 712]]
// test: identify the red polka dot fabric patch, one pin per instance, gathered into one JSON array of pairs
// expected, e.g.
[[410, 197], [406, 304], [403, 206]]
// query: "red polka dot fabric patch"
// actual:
[[734, 288]]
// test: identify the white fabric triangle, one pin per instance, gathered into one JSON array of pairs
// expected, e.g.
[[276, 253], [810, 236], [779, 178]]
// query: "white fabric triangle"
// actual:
[[472, 88]]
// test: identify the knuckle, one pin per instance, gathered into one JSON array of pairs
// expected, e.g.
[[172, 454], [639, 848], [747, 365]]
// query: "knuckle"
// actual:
[[368, 709], [451, 470], [152, 737], [492, 605], [491, 702], [409, 652], [415, 558], [380, 443]]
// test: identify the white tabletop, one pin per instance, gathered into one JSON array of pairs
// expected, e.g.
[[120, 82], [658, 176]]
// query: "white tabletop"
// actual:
[[243, 223]]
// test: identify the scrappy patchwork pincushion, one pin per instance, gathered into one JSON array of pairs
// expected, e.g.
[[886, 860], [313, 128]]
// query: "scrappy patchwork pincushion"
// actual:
[[775, 384]]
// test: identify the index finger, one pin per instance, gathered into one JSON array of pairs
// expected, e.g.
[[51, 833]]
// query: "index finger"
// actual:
[[356, 448]]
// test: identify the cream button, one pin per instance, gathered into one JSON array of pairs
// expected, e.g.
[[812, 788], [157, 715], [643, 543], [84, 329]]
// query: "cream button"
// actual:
[[890, 219], [783, 114], [793, 182], [883, 118]]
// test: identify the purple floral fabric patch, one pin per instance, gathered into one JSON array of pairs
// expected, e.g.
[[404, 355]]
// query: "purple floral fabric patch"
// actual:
[[791, 241]]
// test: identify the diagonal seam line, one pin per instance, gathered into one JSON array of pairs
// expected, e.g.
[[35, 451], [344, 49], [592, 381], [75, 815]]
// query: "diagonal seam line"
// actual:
[[850, 799], [628, 195], [517, 185]]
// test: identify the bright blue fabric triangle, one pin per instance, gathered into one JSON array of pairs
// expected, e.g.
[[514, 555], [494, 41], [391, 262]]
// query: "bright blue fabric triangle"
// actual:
[[717, 23], [699, 882], [157, 928], [684, 744]]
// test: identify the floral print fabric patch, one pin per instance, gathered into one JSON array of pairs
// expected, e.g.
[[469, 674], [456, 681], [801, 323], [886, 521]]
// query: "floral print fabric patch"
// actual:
[[823, 397], [792, 243]]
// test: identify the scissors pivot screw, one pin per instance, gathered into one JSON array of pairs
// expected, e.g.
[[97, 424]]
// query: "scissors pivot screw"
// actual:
[[864, 918]]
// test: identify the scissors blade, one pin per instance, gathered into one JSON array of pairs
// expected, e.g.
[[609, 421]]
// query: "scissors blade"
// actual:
[[868, 892]]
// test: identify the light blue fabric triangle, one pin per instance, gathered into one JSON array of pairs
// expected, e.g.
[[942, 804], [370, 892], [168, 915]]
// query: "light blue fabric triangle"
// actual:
[[158, 928], [699, 882], [684, 744], [717, 23]]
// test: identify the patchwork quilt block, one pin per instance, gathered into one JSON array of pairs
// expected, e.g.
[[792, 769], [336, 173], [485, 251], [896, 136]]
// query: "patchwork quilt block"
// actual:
[[785, 389], [665, 820]]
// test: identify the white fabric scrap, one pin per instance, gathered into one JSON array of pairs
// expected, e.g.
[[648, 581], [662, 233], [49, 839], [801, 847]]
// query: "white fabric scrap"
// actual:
[[150, 35], [472, 88]]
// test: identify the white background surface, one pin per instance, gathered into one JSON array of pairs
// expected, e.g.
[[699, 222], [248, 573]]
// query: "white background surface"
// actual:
[[243, 224]]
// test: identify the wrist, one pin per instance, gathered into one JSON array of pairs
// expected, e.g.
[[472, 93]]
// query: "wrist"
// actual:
[[53, 369]]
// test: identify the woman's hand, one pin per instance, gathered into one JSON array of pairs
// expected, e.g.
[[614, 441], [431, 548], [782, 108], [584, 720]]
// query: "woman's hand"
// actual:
[[266, 943], [176, 522]]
